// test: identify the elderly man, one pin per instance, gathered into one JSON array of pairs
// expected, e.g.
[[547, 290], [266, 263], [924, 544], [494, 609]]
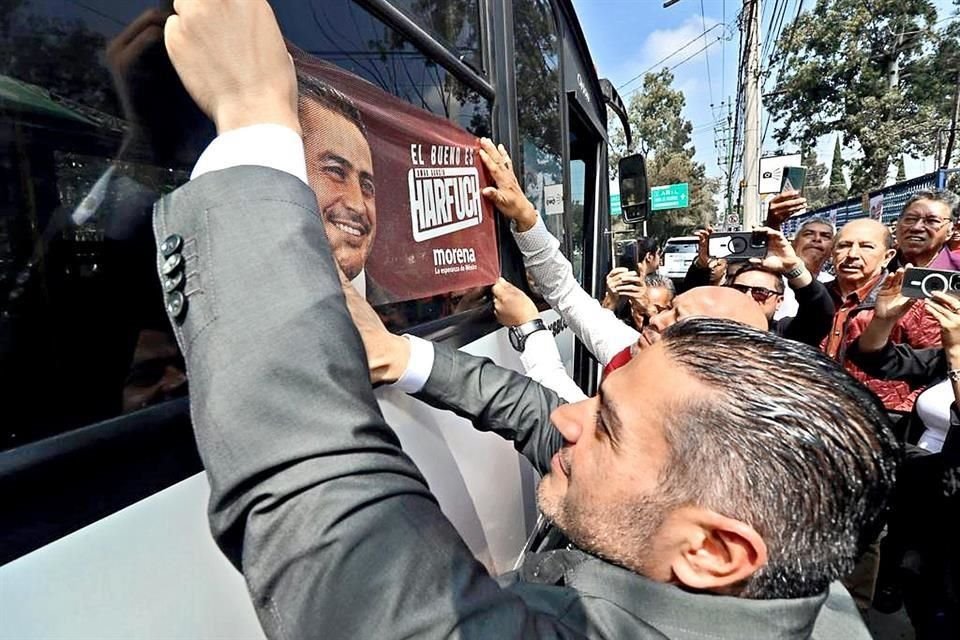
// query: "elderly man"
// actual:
[[685, 521], [861, 252], [924, 226]]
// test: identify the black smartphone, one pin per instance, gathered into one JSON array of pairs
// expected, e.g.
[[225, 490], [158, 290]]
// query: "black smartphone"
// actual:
[[794, 179], [923, 283], [629, 252], [739, 246]]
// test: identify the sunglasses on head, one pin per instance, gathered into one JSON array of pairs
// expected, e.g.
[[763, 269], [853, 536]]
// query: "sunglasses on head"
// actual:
[[760, 294]]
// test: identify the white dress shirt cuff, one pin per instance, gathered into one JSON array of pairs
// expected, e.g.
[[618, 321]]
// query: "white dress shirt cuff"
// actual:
[[418, 368], [263, 145]]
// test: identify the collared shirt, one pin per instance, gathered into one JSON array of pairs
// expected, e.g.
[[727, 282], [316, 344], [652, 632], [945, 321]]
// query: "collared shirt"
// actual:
[[845, 306]]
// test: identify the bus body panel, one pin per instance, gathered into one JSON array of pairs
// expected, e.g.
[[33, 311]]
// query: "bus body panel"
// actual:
[[152, 570]]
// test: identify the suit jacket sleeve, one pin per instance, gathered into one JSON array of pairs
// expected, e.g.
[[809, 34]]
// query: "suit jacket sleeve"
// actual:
[[312, 497], [815, 310], [901, 362], [495, 399]]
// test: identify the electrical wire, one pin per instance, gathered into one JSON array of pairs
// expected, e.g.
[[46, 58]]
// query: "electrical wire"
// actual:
[[664, 59]]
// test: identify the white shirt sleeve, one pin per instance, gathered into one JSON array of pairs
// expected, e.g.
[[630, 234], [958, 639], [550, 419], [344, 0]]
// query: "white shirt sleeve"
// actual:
[[418, 368], [599, 329], [542, 363], [263, 145]]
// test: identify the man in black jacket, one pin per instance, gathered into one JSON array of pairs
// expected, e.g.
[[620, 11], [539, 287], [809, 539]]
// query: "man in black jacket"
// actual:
[[763, 281]]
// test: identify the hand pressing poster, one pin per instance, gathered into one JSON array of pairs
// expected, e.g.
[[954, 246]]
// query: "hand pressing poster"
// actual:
[[398, 189]]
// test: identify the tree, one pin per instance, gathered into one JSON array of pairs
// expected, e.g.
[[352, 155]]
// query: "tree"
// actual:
[[815, 191], [662, 134], [837, 185], [901, 170], [851, 67]]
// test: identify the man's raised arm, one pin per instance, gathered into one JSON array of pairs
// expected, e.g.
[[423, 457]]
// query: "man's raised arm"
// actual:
[[601, 331], [312, 498]]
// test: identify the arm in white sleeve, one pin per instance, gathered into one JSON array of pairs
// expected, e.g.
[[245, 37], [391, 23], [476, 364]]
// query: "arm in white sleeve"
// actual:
[[418, 367], [599, 329], [542, 363], [263, 145]]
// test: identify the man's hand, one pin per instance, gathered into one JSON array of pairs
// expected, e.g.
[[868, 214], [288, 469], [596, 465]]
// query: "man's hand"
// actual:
[[231, 58], [507, 196], [511, 305], [946, 309], [387, 354], [784, 205], [621, 280], [780, 257], [703, 247], [891, 304]]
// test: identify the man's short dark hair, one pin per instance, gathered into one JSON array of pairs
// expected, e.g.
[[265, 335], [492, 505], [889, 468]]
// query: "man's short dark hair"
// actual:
[[787, 442], [944, 196], [746, 267], [646, 246], [316, 90]]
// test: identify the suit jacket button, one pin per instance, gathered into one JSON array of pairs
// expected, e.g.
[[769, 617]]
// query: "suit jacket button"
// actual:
[[172, 283], [171, 264], [176, 305], [171, 245]]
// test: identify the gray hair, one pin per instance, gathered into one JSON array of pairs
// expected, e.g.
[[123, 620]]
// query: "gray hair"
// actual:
[[787, 442], [657, 281], [945, 196], [817, 220]]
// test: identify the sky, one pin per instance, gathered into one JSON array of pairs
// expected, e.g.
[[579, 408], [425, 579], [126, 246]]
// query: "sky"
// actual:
[[628, 37]]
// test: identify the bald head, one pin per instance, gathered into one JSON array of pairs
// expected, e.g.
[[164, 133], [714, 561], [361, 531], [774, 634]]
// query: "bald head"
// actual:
[[712, 302]]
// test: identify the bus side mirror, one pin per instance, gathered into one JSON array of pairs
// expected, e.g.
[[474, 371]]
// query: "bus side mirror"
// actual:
[[634, 192]]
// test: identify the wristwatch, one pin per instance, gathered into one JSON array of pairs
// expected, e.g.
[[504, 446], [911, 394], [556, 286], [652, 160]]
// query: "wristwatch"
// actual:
[[520, 333], [796, 272]]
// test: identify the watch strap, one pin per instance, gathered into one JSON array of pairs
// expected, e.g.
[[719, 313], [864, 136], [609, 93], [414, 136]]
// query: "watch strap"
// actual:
[[520, 333], [796, 272]]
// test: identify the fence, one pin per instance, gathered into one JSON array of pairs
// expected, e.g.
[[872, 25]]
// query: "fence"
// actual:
[[892, 198]]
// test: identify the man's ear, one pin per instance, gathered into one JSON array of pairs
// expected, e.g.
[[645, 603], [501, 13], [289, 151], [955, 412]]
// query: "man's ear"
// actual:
[[888, 257], [719, 553]]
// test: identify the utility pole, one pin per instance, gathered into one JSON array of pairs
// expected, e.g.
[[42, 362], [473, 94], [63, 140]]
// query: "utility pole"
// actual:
[[953, 126], [751, 127]]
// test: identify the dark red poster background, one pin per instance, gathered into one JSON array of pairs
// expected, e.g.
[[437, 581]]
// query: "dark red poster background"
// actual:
[[450, 242]]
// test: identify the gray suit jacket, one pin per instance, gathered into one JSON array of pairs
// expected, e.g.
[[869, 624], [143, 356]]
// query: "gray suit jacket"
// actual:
[[312, 498]]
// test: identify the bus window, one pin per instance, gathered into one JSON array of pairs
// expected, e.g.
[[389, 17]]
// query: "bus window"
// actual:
[[456, 23], [537, 48], [95, 128]]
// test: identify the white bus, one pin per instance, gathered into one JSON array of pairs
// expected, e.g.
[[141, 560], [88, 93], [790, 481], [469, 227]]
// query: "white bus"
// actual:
[[104, 513]]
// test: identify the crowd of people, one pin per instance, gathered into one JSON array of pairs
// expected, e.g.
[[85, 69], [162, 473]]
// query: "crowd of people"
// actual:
[[730, 474]]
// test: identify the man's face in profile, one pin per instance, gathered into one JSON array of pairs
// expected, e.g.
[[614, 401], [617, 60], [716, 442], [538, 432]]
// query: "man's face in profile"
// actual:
[[340, 171]]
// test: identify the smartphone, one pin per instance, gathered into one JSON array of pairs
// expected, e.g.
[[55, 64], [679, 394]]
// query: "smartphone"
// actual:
[[923, 283], [794, 179], [739, 246], [629, 252]]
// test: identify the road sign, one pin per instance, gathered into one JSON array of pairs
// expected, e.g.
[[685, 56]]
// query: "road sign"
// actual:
[[615, 209], [733, 219], [671, 196]]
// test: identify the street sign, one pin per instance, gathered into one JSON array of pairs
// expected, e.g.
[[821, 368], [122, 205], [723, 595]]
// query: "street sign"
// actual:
[[671, 196], [615, 209], [733, 219]]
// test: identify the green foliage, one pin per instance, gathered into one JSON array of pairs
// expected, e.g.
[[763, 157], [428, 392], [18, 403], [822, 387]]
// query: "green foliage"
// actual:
[[864, 70], [837, 185], [662, 134], [815, 191]]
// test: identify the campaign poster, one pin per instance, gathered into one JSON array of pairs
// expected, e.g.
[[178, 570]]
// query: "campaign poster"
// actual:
[[399, 189], [876, 206]]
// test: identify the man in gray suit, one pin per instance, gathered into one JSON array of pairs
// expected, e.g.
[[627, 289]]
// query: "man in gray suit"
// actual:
[[695, 512]]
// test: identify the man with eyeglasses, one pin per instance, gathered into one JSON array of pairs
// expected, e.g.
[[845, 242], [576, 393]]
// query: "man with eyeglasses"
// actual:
[[924, 228]]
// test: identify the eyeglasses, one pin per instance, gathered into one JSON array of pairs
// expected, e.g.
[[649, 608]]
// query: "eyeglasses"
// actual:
[[760, 294], [930, 222]]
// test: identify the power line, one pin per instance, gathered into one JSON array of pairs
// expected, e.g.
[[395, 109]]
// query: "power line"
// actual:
[[687, 59], [664, 59], [783, 63], [703, 23]]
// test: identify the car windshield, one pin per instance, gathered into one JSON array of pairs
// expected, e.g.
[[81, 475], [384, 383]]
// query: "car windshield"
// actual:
[[685, 247]]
